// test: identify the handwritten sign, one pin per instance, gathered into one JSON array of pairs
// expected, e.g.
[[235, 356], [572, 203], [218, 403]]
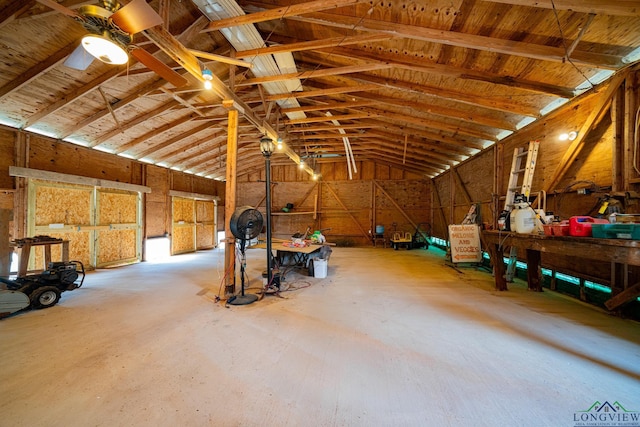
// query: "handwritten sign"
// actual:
[[465, 243]]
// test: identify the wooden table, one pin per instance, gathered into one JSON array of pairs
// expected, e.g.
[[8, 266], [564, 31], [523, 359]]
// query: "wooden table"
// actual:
[[25, 252], [621, 253]]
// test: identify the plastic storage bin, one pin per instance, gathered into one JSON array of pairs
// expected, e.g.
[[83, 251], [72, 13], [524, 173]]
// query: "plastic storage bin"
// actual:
[[320, 268], [560, 229], [616, 231]]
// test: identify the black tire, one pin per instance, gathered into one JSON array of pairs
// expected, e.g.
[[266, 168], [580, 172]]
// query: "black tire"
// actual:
[[45, 297]]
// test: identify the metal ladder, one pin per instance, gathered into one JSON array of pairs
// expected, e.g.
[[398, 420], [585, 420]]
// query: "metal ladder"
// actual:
[[520, 178]]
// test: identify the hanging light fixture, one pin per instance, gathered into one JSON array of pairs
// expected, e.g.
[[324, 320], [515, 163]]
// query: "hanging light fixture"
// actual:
[[102, 47], [207, 75], [301, 164], [279, 144]]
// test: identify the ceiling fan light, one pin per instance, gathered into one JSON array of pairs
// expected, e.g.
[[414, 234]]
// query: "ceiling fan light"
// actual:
[[105, 49]]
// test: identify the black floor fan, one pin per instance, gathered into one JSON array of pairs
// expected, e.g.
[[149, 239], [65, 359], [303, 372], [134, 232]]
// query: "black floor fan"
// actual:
[[245, 224]]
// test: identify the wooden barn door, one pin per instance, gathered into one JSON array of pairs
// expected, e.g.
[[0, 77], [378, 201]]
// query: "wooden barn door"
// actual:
[[193, 225], [103, 226], [118, 227], [205, 224], [183, 225], [63, 211]]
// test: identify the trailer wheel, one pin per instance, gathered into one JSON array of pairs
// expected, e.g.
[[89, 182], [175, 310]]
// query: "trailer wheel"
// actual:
[[45, 297]]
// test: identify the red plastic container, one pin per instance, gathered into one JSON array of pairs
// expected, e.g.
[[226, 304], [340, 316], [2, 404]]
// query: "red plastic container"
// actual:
[[580, 226], [560, 229]]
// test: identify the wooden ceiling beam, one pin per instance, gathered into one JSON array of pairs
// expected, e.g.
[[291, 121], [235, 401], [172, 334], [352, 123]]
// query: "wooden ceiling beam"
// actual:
[[336, 136], [314, 73], [280, 13], [429, 123], [44, 11], [156, 132], [417, 149], [424, 66], [13, 8], [185, 37], [248, 154], [116, 105], [172, 47], [395, 158], [464, 40], [74, 95], [299, 46], [460, 144], [328, 106], [374, 138], [427, 67], [422, 147], [177, 138], [599, 7], [123, 127], [37, 70], [499, 104], [320, 92], [473, 117], [300, 129], [204, 145], [329, 118]]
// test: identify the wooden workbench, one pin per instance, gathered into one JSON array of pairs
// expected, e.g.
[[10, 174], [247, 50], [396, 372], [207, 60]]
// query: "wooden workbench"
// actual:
[[25, 251], [620, 253]]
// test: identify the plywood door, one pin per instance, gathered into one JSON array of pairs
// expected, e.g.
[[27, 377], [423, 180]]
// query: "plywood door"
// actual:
[[62, 211], [205, 224], [118, 227], [103, 226], [183, 228]]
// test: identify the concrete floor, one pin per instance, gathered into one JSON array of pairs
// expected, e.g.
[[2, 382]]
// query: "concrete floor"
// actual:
[[389, 338]]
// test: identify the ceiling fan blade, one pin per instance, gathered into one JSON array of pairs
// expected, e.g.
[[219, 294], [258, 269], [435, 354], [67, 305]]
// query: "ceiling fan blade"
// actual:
[[59, 8], [79, 59], [136, 16], [159, 67]]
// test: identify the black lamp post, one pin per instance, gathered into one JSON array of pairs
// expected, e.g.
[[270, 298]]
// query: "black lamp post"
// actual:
[[267, 147]]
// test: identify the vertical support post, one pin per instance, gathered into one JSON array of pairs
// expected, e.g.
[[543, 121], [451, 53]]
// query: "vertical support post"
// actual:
[[267, 165], [630, 128], [583, 293], [534, 271], [452, 196], [618, 166], [267, 146], [230, 202], [6, 251], [498, 181], [497, 259]]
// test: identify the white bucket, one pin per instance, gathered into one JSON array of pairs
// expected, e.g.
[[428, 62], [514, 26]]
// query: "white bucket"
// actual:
[[319, 268]]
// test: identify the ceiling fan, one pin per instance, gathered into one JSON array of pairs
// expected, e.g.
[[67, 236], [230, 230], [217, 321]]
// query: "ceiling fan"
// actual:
[[110, 29]]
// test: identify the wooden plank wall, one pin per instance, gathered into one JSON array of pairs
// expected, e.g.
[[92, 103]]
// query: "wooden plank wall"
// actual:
[[348, 210], [24, 149], [592, 168]]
